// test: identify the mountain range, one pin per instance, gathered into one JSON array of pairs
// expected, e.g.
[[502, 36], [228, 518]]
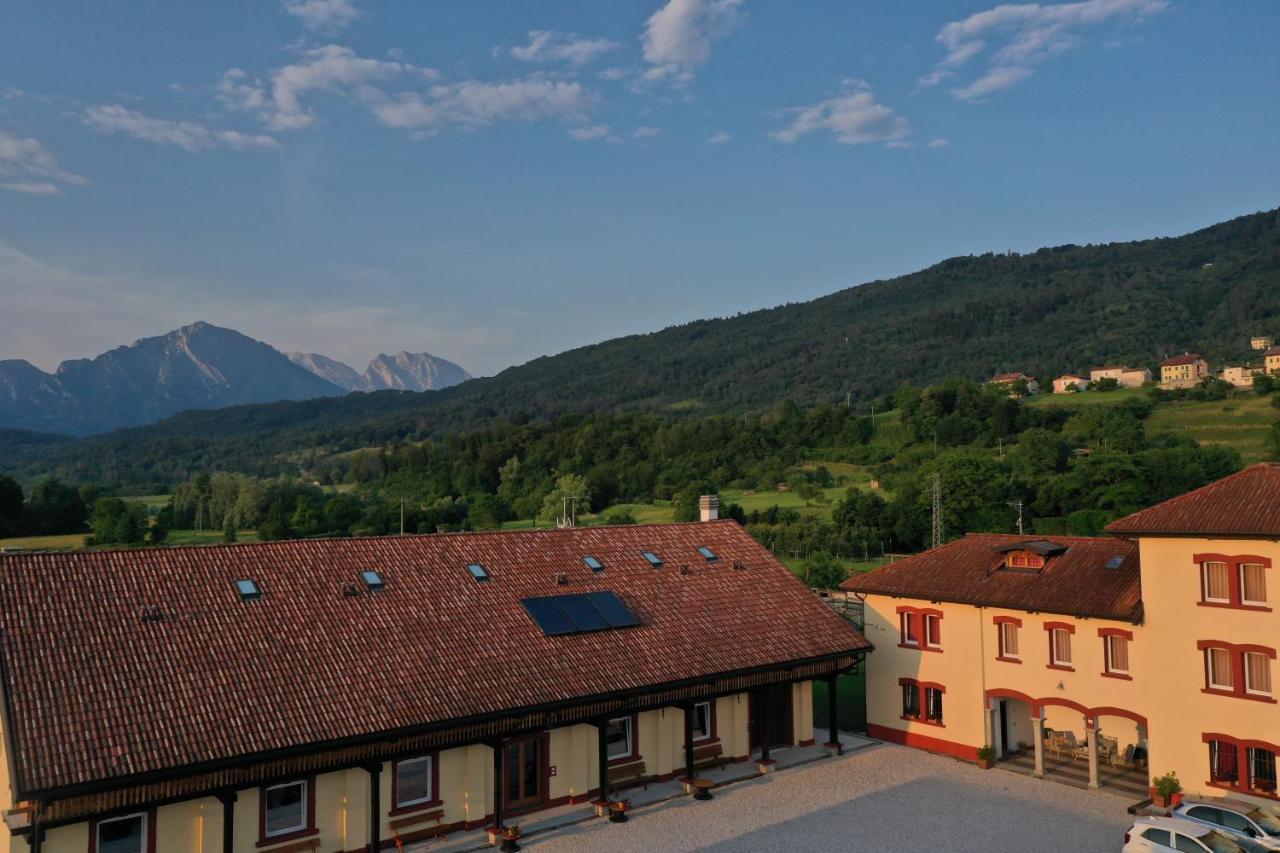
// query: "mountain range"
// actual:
[[1057, 309], [200, 366]]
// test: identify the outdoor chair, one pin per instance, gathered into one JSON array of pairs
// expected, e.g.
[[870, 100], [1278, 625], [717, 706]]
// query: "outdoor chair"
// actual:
[[1124, 760]]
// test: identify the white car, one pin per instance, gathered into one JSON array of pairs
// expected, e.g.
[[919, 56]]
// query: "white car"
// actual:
[[1239, 819], [1161, 834]]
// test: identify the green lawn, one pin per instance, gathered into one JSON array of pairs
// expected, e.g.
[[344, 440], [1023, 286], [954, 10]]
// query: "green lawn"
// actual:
[[1244, 422], [75, 541], [1088, 398], [851, 702]]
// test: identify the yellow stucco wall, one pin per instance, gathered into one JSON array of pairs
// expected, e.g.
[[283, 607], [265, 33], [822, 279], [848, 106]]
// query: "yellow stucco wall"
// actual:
[[466, 785]]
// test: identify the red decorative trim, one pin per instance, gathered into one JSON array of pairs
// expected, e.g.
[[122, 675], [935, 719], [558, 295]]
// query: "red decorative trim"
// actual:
[[925, 742], [1237, 652], [1059, 666], [1006, 620], [1008, 660], [1108, 711], [1233, 562], [1065, 626], [1116, 632], [1066, 703], [809, 742], [1006, 693], [396, 809], [918, 619], [1241, 784], [148, 815], [1119, 675], [308, 830], [1257, 608]]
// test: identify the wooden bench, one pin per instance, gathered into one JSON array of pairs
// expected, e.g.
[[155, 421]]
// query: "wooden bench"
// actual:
[[299, 847], [415, 819], [709, 755], [632, 771]]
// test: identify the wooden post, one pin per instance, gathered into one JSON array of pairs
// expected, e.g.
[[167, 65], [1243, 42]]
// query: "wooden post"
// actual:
[[497, 783], [762, 705], [602, 737], [228, 799], [833, 724], [688, 741], [375, 806]]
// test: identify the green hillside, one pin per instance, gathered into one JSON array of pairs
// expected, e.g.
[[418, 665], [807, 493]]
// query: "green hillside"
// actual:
[[1044, 312]]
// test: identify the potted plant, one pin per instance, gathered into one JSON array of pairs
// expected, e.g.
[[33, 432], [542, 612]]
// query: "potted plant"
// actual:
[[618, 810], [986, 756], [510, 838], [1166, 790], [1264, 786]]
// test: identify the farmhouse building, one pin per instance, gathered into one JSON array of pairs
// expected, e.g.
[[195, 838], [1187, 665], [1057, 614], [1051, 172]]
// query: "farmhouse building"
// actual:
[[1261, 342], [1097, 658], [1183, 371], [1068, 382], [356, 694], [1271, 360], [1239, 376], [1125, 377], [1008, 380]]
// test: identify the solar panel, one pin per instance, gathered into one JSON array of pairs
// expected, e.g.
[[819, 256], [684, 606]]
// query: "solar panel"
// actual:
[[654, 559], [548, 615], [581, 612], [593, 564], [612, 609], [708, 554]]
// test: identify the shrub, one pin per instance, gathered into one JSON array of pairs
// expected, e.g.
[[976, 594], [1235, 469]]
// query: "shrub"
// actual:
[[1167, 785]]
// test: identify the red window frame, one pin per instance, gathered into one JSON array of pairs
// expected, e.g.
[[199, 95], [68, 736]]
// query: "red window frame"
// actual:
[[149, 815], [1234, 562], [308, 830], [396, 808], [1049, 628], [918, 620], [1242, 782], [998, 621], [1237, 652], [922, 701], [1107, 671]]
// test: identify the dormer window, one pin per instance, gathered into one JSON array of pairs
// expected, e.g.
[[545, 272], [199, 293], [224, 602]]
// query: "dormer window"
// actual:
[[1023, 560]]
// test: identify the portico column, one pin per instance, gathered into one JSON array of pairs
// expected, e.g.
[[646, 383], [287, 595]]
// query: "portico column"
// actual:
[[228, 799], [375, 806], [762, 722], [497, 783], [1091, 739], [991, 729], [602, 746], [1037, 725], [833, 721]]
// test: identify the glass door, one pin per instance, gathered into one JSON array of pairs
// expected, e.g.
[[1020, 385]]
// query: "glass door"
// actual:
[[523, 783]]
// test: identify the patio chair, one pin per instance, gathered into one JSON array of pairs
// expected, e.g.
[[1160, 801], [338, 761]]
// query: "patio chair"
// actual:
[[1125, 759], [1107, 749]]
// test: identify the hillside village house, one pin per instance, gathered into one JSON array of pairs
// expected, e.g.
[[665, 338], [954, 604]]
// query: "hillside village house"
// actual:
[[1239, 376], [1010, 379], [1261, 342], [1126, 377], [1271, 360], [1068, 382], [1111, 658], [356, 694], [1183, 371]]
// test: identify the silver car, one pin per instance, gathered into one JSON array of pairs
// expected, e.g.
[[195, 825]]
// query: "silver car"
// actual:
[[1243, 820]]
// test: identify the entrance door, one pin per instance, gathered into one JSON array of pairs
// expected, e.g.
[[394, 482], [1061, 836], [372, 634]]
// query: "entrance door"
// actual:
[[1004, 727], [775, 701], [523, 783]]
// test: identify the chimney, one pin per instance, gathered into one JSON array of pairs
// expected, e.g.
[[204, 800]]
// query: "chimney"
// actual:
[[709, 507]]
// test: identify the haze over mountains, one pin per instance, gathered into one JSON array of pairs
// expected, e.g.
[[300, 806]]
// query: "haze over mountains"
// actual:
[[199, 366]]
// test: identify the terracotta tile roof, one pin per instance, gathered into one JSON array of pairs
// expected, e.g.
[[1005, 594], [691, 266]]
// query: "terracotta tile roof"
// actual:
[[1245, 504], [1189, 358], [1272, 351], [1076, 582], [96, 692], [1011, 377]]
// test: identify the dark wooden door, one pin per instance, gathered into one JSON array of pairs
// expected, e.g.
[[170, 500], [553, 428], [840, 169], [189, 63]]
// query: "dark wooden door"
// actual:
[[523, 784], [776, 701]]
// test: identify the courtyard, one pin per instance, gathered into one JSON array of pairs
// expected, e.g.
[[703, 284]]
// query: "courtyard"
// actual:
[[878, 797]]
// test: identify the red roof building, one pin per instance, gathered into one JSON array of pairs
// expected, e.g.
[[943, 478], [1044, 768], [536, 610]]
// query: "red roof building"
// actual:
[[1242, 506]]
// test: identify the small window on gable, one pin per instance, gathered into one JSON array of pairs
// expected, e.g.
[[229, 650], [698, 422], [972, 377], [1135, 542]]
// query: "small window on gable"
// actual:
[[248, 589], [593, 564], [372, 579], [479, 572], [707, 554], [654, 559], [1023, 560]]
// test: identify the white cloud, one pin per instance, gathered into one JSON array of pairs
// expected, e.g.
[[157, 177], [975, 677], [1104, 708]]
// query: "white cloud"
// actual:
[[720, 137], [591, 132], [854, 116], [1016, 37], [550, 46], [27, 166], [475, 103], [646, 132], [613, 74], [188, 135], [323, 15], [939, 142], [678, 37]]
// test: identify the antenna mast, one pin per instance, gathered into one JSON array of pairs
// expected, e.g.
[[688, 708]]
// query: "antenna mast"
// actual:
[[937, 509]]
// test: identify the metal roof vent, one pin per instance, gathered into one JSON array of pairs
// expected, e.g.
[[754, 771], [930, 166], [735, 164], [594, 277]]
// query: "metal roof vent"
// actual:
[[562, 578], [151, 614]]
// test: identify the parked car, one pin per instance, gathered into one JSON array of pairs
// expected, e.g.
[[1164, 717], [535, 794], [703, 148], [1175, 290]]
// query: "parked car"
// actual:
[[1239, 818], [1161, 834]]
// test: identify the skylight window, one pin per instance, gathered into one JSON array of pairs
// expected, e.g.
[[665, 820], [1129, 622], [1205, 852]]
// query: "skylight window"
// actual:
[[708, 554], [372, 579], [1115, 562], [479, 572], [593, 564], [654, 559], [248, 589]]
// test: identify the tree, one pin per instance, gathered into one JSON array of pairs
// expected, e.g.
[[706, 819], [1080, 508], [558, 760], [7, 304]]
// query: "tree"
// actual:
[[229, 529], [118, 522], [1263, 384], [10, 507], [822, 571], [567, 487], [54, 507]]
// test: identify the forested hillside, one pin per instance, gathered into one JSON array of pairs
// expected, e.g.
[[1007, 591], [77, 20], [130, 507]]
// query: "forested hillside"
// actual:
[[1056, 309]]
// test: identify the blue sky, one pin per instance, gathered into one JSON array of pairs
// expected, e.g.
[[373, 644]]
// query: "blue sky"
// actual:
[[493, 181]]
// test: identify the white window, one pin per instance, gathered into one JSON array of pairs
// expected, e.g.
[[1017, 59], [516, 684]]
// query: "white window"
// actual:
[[285, 809], [1217, 585], [1009, 641], [933, 630], [910, 637], [933, 704], [1218, 663], [620, 738], [1257, 674], [414, 780], [1117, 654], [126, 834], [702, 721], [1060, 647], [1253, 583]]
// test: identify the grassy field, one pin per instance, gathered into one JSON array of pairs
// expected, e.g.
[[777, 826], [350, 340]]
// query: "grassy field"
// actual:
[[75, 541], [1088, 398], [851, 702]]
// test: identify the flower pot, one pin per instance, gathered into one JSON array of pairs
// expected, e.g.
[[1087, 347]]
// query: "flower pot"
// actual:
[[984, 764]]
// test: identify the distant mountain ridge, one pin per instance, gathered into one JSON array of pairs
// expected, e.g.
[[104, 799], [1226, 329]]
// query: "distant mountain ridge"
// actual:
[[404, 371], [200, 366]]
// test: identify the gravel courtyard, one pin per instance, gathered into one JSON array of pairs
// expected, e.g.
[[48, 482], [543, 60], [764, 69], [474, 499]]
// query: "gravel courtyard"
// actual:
[[881, 798]]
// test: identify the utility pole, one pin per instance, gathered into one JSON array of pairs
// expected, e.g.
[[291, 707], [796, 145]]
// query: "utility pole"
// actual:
[[937, 509], [1018, 506], [402, 516]]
